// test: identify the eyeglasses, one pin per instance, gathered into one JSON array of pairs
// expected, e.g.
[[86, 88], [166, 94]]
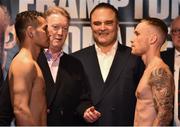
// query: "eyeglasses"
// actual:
[[175, 31], [58, 27]]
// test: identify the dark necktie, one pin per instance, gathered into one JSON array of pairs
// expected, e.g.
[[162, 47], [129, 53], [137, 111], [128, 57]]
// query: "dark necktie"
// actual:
[[179, 95]]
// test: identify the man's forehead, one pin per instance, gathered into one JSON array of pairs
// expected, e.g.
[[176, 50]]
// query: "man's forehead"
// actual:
[[103, 15], [176, 22], [142, 25]]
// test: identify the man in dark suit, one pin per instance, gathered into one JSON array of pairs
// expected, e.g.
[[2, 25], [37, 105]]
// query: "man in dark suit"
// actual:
[[172, 58], [67, 89], [110, 68]]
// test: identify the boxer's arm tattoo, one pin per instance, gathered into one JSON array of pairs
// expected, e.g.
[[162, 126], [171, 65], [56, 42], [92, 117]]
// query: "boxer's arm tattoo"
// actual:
[[162, 84]]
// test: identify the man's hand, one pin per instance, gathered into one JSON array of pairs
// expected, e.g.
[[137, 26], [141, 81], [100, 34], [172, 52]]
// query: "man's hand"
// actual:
[[91, 114]]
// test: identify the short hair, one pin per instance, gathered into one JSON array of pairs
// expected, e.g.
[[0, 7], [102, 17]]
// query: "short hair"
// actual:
[[159, 24], [58, 10], [177, 18], [25, 19], [173, 22], [105, 5]]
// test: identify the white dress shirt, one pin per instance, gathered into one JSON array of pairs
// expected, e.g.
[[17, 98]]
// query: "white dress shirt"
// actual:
[[105, 59], [176, 75]]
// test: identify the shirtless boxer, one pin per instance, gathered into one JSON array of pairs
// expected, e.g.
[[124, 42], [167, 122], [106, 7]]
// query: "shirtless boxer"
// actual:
[[156, 87], [27, 86]]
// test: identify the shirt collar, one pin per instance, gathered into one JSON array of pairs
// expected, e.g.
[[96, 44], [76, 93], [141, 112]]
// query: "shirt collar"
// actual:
[[113, 49], [177, 53], [53, 56]]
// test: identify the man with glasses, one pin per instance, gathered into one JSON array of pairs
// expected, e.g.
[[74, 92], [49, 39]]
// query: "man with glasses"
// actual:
[[68, 95], [172, 58]]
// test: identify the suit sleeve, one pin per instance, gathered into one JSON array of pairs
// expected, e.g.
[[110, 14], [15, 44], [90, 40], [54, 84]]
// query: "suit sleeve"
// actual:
[[85, 98]]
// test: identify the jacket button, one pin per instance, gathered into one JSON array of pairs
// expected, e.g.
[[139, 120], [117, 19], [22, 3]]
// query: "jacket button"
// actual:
[[112, 109], [61, 112], [48, 110]]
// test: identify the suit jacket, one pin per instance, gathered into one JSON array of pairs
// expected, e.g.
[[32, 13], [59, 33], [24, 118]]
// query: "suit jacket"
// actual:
[[114, 98], [168, 58], [68, 97]]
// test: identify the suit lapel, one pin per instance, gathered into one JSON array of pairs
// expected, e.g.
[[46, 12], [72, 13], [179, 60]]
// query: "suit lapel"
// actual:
[[119, 62], [94, 73], [94, 61], [120, 59], [51, 87], [60, 77], [168, 58], [171, 59]]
